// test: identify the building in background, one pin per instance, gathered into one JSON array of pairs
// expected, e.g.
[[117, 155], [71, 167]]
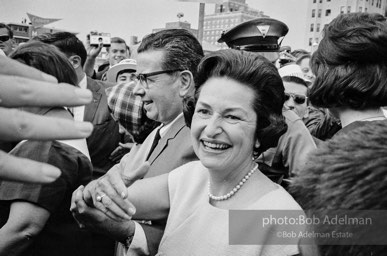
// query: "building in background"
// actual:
[[23, 32], [321, 12], [178, 24], [227, 15], [207, 47]]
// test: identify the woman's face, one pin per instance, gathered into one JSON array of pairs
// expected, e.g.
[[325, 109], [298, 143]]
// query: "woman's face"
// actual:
[[304, 64], [223, 124]]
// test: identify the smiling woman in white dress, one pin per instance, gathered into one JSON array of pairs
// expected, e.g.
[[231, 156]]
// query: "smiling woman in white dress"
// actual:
[[236, 114]]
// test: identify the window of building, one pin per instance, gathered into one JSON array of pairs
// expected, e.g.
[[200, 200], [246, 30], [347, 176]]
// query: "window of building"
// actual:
[[311, 27], [319, 13], [360, 9], [327, 12], [318, 27], [328, 0], [320, 1], [365, 9], [314, 1], [348, 9], [316, 40], [313, 13], [372, 3], [310, 41], [342, 9]]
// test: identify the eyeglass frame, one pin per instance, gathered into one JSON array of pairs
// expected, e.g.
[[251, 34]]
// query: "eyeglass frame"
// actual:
[[142, 78], [4, 37], [294, 95]]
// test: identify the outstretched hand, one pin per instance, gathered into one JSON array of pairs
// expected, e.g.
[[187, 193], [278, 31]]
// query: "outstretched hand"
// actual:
[[21, 85], [109, 193]]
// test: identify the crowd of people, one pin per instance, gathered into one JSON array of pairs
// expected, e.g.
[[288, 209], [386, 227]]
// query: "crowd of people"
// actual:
[[149, 153]]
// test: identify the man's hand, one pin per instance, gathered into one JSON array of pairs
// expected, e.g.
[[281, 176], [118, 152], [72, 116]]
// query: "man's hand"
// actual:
[[21, 85], [94, 51], [96, 220], [109, 193]]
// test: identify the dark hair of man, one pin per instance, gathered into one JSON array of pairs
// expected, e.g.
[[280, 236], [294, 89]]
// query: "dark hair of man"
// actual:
[[257, 73], [348, 172], [118, 40], [67, 42], [182, 49], [294, 79], [46, 58], [350, 63], [10, 32]]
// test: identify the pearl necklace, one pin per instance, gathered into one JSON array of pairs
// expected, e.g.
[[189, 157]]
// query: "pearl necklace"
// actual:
[[234, 190]]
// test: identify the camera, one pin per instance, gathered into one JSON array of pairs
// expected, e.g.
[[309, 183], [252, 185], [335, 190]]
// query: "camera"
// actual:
[[98, 38]]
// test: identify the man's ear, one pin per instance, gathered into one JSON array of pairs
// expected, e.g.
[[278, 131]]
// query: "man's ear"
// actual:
[[75, 61], [186, 83]]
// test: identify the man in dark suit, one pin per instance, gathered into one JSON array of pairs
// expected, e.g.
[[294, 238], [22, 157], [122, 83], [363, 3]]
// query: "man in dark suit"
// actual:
[[166, 66], [105, 136]]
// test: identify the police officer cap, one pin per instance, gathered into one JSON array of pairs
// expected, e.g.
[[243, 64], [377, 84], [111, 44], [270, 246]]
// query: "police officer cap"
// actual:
[[258, 35]]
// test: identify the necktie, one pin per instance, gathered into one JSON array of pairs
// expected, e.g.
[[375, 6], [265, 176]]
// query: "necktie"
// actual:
[[154, 144]]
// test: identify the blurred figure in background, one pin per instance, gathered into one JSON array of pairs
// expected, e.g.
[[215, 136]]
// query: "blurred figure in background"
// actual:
[[35, 219], [348, 172]]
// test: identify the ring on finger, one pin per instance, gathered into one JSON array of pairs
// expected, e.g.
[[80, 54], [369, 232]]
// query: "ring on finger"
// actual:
[[99, 197]]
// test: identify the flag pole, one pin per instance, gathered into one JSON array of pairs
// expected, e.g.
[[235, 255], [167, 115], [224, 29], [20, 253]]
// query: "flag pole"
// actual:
[[201, 22]]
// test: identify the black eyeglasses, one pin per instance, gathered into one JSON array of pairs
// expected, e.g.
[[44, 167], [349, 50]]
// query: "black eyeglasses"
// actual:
[[4, 38], [299, 99], [143, 78]]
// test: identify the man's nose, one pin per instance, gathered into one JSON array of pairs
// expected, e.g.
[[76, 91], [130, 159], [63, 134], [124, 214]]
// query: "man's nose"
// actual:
[[138, 90], [290, 103]]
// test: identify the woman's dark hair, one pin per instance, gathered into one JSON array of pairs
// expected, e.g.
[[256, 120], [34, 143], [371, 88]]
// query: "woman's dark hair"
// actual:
[[350, 63], [257, 73], [48, 59]]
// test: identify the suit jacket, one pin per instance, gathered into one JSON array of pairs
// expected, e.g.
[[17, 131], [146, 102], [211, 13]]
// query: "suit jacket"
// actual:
[[105, 136], [173, 150]]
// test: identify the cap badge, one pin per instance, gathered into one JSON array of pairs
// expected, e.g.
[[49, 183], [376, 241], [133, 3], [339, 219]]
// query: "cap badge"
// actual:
[[263, 29]]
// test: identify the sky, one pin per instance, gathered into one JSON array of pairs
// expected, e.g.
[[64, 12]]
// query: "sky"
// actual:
[[125, 18]]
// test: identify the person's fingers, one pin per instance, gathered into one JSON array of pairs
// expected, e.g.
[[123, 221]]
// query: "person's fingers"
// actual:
[[76, 199], [15, 169], [12, 67], [107, 198], [87, 193], [106, 205], [18, 125], [24, 92]]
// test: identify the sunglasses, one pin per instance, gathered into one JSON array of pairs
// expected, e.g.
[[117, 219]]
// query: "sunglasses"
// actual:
[[4, 38], [143, 78], [299, 99]]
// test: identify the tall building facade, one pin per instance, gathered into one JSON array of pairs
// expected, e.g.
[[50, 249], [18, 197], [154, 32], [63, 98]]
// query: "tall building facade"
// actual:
[[321, 12], [178, 24], [227, 15]]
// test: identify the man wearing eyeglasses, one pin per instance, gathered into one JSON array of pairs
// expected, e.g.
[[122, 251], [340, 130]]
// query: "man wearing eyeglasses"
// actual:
[[6, 37], [166, 70]]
